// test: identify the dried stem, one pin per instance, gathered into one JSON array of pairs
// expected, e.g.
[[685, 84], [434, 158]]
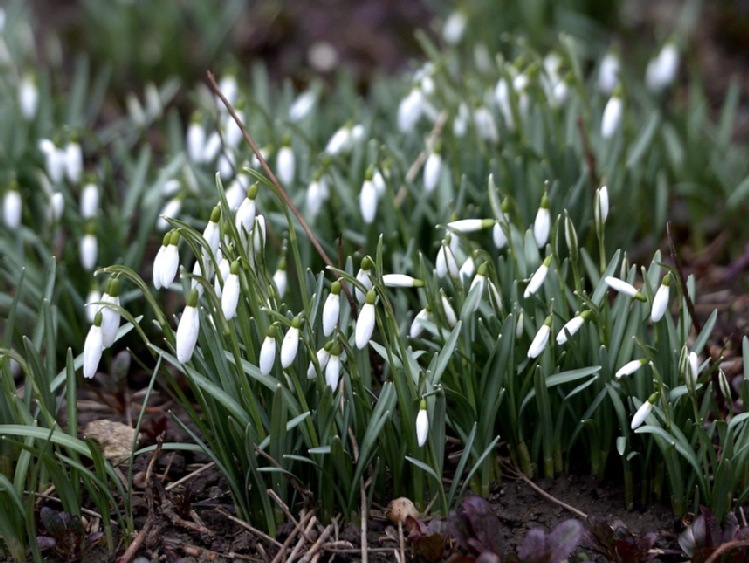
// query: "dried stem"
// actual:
[[589, 158]]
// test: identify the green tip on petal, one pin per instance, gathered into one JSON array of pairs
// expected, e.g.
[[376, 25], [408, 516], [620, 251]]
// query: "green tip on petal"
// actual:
[[545, 201], [366, 263], [641, 297], [483, 269], [272, 331], [97, 319], [371, 297], [286, 140], [216, 214], [369, 173], [252, 191], [423, 405], [113, 287], [236, 266], [335, 349], [174, 238], [418, 283], [547, 321], [328, 346], [335, 288], [166, 239], [297, 321], [547, 261]]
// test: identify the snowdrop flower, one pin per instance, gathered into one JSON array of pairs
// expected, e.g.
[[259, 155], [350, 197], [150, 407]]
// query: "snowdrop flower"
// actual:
[[694, 370], [630, 367], [220, 277], [135, 110], [93, 348], [170, 210], [661, 71], [340, 142], [725, 388], [333, 368], [166, 263], [499, 236], [485, 125], [432, 169], [570, 237], [644, 411], [232, 133], [378, 180], [468, 268], [196, 139], [56, 206], [422, 424], [228, 86], [542, 224], [460, 124], [366, 322], [317, 194], [612, 114], [290, 343], [285, 163], [231, 291], [537, 279], [280, 279], [368, 198], [623, 287], [323, 355], [258, 234], [235, 194], [212, 147], [89, 250], [212, 231], [470, 225], [455, 25], [572, 326], [188, 329], [445, 262], [608, 73], [92, 302], [502, 97], [601, 209], [401, 280], [519, 324], [89, 201], [660, 301], [302, 105], [73, 160], [244, 220], [197, 271], [452, 319], [417, 325], [268, 351], [12, 208], [28, 97], [331, 309], [153, 100], [110, 316], [410, 110], [363, 277], [480, 279], [538, 345]]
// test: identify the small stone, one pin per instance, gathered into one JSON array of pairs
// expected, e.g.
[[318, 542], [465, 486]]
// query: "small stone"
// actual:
[[400, 509], [114, 438]]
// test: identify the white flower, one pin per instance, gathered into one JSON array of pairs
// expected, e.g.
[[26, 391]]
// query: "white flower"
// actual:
[[542, 224], [110, 316], [468, 268], [188, 329], [502, 97], [153, 100], [196, 141], [499, 236], [693, 367], [368, 201], [460, 124], [245, 217], [422, 425], [449, 311], [519, 324], [235, 194], [12, 208], [452, 30], [445, 262], [401, 280], [333, 369], [363, 277], [379, 182], [601, 209], [212, 232], [56, 206], [268, 351], [725, 387], [92, 303], [612, 114], [432, 169], [470, 225], [93, 348], [418, 323], [170, 210], [608, 73], [642, 413], [661, 71], [281, 280], [323, 356], [89, 249], [212, 147], [630, 367], [485, 125], [230, 292], [571, 327], [219, 278], [232, 133], [537, 279], [73, 162], [258, 234], [410, 110], [285, 165], [89, 201], [302, 105], [541, 339], [317, 194], [167, 261], [28, 97], [366, 322], [660, 301], [228, 87], [623, 287], [340, 141], [290, 345], [331, 309]]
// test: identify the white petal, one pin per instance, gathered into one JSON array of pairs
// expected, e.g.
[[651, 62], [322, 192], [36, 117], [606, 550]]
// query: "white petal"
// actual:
[[110, 320], [539, 342], [542, 226], [572, 326], [368, 201], [285, 165], [289, 347], [641, 414], [267, 355], [90, 201], [187, 333], [365, 325], [230, 296], [660, 303], [432, 169], [536, 281], [611, 117], [89, 251], [422, 427], [332, 372], [330, 314], [12, 208], [92, 350]]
